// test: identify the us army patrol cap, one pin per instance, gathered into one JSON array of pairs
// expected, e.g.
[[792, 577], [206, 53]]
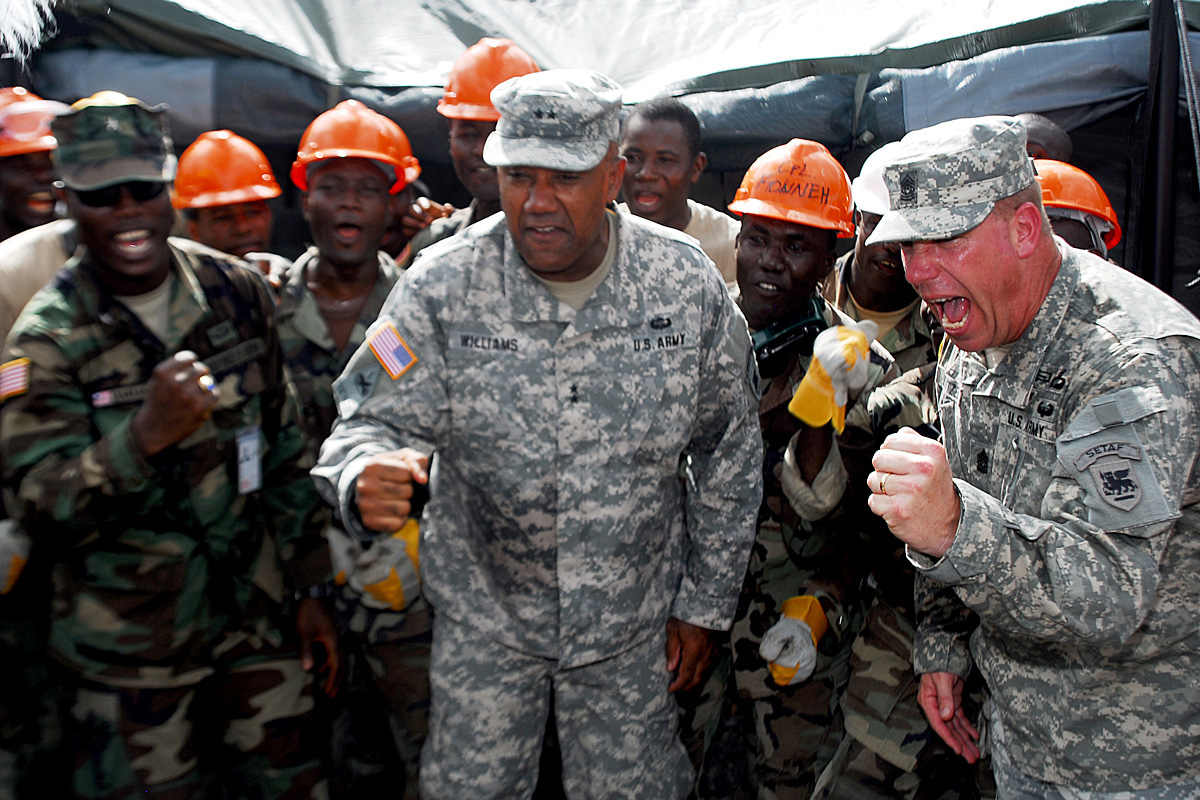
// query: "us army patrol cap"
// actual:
[[944, 180], [110, 138], [562, 119]]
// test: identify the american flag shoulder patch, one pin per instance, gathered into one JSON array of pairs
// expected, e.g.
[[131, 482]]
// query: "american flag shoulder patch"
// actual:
[[14, 378], [391, 350]]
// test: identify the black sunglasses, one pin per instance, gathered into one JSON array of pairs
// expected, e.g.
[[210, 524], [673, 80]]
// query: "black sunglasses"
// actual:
[[140, 191]]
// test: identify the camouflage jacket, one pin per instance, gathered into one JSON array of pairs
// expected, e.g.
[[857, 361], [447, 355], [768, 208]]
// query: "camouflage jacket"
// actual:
[[807, 538], [315, 363], [308, 348], [910, 342], [158, 557], [1074, 567], [558, 524]]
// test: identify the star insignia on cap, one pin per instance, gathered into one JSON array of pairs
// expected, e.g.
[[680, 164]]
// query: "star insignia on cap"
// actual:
[[544, 113], [113, 124]]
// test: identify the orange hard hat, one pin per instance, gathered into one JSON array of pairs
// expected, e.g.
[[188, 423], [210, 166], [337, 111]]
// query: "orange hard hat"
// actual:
[[484, 66], [25, 122], [15, 94], [351, 130], [798, 182], [220, 168], [1067, 186]]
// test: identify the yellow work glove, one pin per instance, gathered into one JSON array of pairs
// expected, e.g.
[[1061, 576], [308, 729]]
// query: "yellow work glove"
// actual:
[[387, 574], [790, 646], [14, 552], [839, 366]]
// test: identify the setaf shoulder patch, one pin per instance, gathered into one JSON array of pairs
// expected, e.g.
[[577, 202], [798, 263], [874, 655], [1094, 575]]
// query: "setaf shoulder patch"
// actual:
[[1109, 465]]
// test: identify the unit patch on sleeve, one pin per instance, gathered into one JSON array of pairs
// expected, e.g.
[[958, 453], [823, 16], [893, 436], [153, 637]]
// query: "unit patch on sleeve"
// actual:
[[14, 378], [1110, 467], [1121, 490], [391, 350]]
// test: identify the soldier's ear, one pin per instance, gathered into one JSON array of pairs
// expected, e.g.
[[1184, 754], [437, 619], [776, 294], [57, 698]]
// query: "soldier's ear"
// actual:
[[1026, 228], [304, 207]]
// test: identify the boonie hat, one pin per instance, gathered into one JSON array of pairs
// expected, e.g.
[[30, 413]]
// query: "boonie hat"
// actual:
[[561, 119], [945, 180], [109, 139]]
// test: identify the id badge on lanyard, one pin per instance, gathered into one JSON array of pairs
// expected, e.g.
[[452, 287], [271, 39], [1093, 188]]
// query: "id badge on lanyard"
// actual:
[[249, 449]]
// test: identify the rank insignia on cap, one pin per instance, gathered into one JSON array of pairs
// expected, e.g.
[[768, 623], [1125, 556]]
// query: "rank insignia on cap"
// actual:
[[391, 350], [908, 189], [14, 378]]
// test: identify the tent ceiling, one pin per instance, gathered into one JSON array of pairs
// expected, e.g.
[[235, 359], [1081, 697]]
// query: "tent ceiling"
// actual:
[[649, 46]]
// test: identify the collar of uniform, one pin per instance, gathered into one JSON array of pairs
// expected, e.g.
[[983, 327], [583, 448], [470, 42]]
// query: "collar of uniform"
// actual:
[[1020, 368], [617, 302], [298, 306], [190, 304]]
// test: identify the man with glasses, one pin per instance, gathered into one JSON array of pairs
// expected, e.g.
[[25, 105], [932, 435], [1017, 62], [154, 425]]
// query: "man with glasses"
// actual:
[[150, 440]]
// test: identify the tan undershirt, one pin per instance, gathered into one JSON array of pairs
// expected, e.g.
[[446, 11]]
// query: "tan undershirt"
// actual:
[[153, 308], [576, 293], [886, 320]]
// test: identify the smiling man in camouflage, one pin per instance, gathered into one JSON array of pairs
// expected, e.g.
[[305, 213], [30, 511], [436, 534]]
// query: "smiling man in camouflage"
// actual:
[[151, 445]]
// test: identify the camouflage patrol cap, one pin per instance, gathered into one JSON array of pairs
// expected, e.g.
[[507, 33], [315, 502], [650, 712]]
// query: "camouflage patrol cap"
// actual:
[[944, 180], [108, 139], [562, 119]]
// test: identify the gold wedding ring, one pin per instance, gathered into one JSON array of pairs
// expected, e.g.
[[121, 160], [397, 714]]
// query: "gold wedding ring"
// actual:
[[207, 383], [883, 483]]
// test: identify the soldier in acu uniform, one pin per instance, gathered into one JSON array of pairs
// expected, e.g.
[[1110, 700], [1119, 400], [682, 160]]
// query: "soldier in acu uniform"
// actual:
[[556, 363], [1054, 529], [152, 445]]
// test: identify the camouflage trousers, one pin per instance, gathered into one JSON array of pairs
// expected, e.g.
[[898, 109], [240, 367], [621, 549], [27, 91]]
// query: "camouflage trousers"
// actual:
[[400, 670], [34, 759], [381, 717], [244, 730], [857, 773], [1012, 784], [617, 724], [889, 751], [793, 731], [700, 710]]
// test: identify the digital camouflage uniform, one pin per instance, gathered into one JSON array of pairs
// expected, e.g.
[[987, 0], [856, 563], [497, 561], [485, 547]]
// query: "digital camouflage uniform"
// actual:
[[1074, 566], [393, 644], [558, 538], [889, 750], [796, 728], [171, 593]]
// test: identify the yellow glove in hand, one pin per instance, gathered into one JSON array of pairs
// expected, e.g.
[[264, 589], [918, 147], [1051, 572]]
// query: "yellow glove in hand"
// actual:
[[14, 552], [385, 575], [839, 366], [790, 646]]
